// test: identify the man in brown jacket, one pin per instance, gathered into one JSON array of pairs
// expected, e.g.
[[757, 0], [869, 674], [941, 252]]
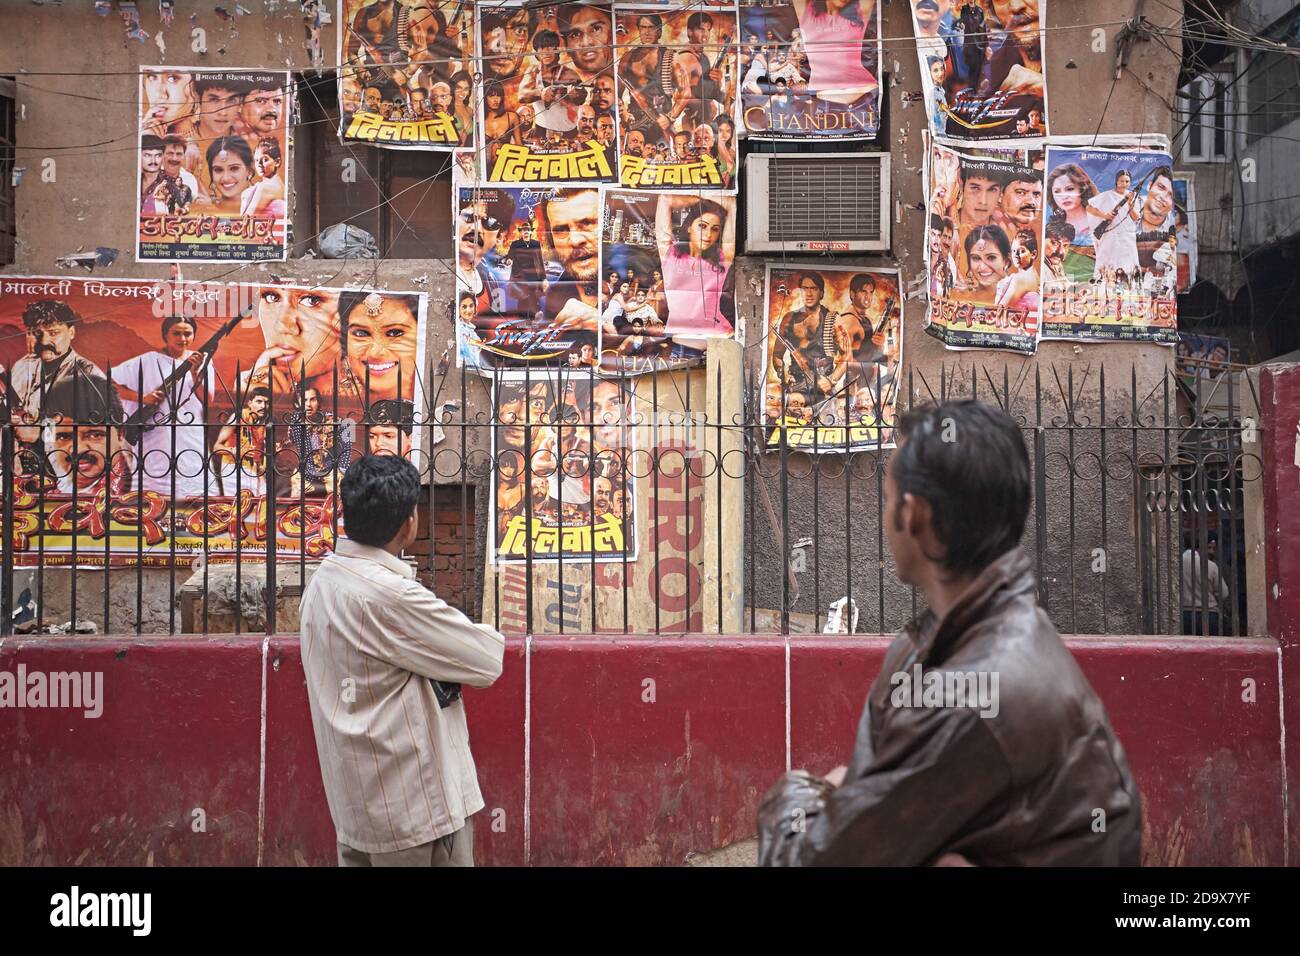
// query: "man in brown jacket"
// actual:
[[981, 741]]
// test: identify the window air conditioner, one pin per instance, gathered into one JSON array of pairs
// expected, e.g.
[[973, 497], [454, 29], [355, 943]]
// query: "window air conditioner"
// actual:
[[802, 202]]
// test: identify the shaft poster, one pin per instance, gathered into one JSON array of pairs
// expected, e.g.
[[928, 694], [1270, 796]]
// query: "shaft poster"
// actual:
[[407, 74], [547, 105], [1111, 240], [668, 277], [213, 165], [150, 417], [982, 68], [810, 69], [563, 488], [677, 72], [834, 342], [984, 260]]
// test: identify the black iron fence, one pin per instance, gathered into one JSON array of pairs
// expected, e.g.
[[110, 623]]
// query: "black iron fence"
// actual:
[[576, 503]]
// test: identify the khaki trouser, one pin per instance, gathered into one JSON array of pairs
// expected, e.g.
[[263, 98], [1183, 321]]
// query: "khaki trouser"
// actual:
[[455, 849]]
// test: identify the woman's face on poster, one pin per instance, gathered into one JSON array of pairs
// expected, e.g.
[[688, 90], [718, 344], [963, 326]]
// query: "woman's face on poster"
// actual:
[[1065, 194], [987, 264], [230, 174], [267, 166], [467, 309], [169, 96], [706, 230], [382, 348], [305, 324]]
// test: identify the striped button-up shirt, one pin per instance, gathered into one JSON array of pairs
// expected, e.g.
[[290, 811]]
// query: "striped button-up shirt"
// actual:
[[397, 767]]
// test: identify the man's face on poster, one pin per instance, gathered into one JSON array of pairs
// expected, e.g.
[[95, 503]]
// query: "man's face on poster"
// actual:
[[588, 39], [53, 340], [218, 111], [388, 440], [635, 142], [930, 13], [311, 402], [150, 161], [475, 235], [442, 97], [602, 95], [648, 31], [700, 33], [607, 414], [303, 324], [811, 292], [863, 298], [1022, 201], [374, 99], [586, 122], [574, 225], [619, 501], [263, 110], [979, 197], [602, 496], [91, 449], [605, 129], [1160, 198], [173, 156], [1020, 17]]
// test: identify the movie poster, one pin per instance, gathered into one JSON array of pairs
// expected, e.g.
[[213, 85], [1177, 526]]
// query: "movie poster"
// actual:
[[213, 165], [810, 69], [407, 74], [1202, 356], [527, 276], [1110, 269], [677, 73], [668, 278], [984, 258], [831, 357], [159, 415], [1185, 212], [982, 68], [563, 483], [547, 109]]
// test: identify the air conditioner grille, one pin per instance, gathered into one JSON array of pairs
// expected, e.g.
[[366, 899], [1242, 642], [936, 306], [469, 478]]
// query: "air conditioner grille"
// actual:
[[824, 200]]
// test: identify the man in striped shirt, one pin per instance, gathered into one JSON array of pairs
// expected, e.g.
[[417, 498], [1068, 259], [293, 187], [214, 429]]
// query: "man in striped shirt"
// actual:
[[384, 659]]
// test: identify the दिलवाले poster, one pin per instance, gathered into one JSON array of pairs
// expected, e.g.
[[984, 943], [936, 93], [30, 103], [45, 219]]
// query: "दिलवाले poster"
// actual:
[[406, 79], [213, 172], [677, 73], [668, 278], [831, 360], [157, 418], [982, 68], [810, 69], [983, 255], [562, 479], [1111, 243], [547, 94]]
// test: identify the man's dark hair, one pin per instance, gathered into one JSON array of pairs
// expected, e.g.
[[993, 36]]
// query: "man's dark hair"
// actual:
[[860, 282], [957, 453], [546, 39], [85, 399], [209, 82], [150, 141], [261, 391], [697, 20], [1023, 176], [44, 311], [379, 493], [393, 411], [1059, 229], [816, 278]]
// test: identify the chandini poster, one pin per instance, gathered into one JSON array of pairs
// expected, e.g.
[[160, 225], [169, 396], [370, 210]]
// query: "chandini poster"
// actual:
[[984, 260], [810, 69], [677, 75], [982, 68], [833, 347], [563, 482], [163, 416], [407, 75], [668, 278], [213, 165], [1110, 269], [546, 100]]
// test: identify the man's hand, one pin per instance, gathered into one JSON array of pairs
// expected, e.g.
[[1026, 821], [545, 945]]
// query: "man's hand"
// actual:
[[836, 777], [577, 316], [1021, 79]]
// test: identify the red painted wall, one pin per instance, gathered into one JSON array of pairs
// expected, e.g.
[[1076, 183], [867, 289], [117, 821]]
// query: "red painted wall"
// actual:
[[614, 777]]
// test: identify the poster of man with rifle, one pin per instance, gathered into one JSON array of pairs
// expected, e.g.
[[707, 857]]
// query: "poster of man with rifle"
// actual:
[[155, 419]]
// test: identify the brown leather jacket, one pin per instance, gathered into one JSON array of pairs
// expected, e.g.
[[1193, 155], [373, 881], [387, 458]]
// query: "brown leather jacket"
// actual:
[[1022, 771]]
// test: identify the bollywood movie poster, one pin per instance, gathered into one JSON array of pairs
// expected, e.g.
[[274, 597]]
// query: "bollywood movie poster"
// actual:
[[406, 75], [1110, 269], [547, 106], [162, 416], [563, 488], [1202, 356], [983, 250], [810, 69], [982, 68], [668, 278], [213, 165], [527, 277], [1185, 212], [677, 70], [831, 358]]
